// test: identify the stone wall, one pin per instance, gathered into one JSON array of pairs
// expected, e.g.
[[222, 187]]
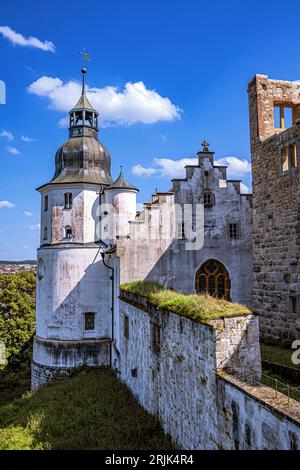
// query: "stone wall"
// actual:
[[172, 365], [276, 210]]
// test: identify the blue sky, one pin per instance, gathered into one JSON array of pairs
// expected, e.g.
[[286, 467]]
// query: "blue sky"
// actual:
[[178, 70]]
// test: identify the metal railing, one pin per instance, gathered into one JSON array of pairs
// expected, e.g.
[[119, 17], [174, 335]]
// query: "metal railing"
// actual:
[[255, 378]]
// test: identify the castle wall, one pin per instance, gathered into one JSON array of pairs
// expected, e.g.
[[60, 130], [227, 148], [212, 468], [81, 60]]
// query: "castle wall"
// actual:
[[174, 367], [276, 211]]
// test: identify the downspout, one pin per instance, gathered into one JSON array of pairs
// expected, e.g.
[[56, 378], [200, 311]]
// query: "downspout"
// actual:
[[112, 277]]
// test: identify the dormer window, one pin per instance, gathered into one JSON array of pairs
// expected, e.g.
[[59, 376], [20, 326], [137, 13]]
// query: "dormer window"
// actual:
[[68, 200], [68, 232]]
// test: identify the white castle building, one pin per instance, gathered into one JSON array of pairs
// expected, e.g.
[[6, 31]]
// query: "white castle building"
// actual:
[[92, 236]]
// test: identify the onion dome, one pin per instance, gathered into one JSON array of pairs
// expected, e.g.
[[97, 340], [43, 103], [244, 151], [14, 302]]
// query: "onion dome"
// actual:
[[82, 158], [121, 183]]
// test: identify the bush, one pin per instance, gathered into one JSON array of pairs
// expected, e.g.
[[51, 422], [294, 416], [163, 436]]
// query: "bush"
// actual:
[[17, 315]]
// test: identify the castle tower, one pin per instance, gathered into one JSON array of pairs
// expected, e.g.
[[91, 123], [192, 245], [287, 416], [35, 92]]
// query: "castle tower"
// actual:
[[74, 311], [121, 197]]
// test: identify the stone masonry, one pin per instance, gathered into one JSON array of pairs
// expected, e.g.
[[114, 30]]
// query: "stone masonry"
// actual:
[[275, 149], [192, 377]]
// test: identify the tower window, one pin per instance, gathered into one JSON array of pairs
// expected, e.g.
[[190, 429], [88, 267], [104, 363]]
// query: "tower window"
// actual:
[[233, 231], [89, 321], [45, 203], [208, 199], [45, 233], [68, 232], [68, 200]]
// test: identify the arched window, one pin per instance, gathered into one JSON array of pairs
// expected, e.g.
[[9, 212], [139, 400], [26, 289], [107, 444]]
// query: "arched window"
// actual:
[[45, 233], [68, 232], [213, 278]]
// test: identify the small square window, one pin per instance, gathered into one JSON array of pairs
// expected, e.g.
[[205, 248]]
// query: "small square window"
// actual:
[[233, 231], [89, 321]]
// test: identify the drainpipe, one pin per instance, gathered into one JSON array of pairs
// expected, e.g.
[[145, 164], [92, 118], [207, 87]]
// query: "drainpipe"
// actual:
[[112, 277]]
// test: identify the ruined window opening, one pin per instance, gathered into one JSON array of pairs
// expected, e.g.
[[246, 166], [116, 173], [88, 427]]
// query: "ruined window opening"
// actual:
[[284, 116], [68, 200], [293, 304], [45, 233], [293, 155], [126, 327], [233, 231], [285, 159], [45, 203], [155, 338], [208, 199], [89, 321], [294, 445], [68, 232]]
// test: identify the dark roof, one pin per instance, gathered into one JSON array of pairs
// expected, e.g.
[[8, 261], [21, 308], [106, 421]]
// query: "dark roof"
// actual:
[[121, 183]]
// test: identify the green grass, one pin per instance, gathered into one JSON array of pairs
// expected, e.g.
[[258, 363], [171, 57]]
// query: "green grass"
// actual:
[[200, 308], [278, 355], [90, 410]]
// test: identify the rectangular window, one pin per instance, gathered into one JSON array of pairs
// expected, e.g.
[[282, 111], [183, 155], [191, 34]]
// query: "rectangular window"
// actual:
[[284, 116], [285, 159], [45, 203], [68, 200], [180, 233], [126, 327], [293, 155], [207, 199], [293, 304], [89, 321], [233, 231], [155, 338]]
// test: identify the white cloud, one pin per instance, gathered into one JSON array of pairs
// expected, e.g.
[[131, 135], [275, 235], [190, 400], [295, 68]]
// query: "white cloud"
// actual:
[[35, 227], [7, 204], [140, 170], [245, 189], [174, 168], [28, 213], [12, 150], [237, 167], [20, 40], [7, 134], [25, 138], [135, 103]]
